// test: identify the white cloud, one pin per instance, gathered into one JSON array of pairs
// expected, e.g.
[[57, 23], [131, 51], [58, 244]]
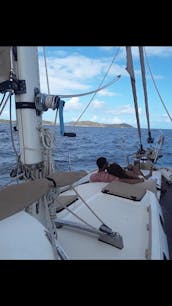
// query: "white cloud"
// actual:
[[5, 114], [75, 72], [125, 109], [116, 120], [108, 93], [150, 51], [97, 104], [110, 48], [73, 104], [94, 118], [159, 51], [166, 117], [102, 119]]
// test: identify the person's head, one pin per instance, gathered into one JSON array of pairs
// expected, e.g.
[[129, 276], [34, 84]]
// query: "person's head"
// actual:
[[117, 170], [102, 163]]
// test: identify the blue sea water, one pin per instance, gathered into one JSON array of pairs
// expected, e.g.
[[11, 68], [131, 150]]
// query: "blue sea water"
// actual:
[[81, 152]]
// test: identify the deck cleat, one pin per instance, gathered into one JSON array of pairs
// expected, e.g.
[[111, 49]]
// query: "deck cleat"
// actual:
[[114, 239], [110, 237]]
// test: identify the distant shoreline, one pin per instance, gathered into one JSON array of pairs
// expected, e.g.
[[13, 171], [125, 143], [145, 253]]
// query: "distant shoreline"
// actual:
[[81, 124]]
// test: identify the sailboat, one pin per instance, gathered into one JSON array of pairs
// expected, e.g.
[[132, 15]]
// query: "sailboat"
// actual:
[[63, 215]]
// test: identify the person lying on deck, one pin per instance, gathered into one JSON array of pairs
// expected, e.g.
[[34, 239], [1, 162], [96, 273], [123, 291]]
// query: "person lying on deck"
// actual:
[[114, 172], [131, 176]]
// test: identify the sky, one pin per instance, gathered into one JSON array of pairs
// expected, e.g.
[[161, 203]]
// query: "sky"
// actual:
[[77, 70]]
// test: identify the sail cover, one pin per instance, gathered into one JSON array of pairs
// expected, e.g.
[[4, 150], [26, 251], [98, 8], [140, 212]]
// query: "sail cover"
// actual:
[[4, 63], [129, 67]]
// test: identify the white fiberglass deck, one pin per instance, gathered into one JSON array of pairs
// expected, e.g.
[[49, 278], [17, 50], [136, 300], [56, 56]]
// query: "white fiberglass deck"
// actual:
[[23, 237], [127, 217]]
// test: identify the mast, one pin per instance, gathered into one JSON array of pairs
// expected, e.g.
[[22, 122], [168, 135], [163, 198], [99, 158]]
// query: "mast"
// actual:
[[29, 121]]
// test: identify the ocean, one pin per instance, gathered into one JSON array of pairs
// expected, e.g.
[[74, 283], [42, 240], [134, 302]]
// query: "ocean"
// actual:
[[81, 152]]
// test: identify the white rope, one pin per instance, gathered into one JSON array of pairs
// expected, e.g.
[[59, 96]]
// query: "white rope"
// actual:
[[93, 91], [47, 138], [47, 141]]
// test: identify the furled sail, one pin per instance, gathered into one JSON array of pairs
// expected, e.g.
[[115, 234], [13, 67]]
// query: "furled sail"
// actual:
[[150, 139], [4, 63], [130, 70]]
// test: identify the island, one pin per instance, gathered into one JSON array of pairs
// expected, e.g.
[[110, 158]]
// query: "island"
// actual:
[[82, 123], [97, 124]]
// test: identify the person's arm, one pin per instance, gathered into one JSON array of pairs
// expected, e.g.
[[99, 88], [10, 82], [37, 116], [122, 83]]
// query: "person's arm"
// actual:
[[131, 174], [131, 180], [93, 177], [133, 171]]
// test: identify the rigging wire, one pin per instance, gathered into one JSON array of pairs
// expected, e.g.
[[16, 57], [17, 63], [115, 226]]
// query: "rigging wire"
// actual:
[[106, 73], [82, 199], [47, 78], [157, 87], [5, 102], [85, 203], [77, 216], [2, 99]]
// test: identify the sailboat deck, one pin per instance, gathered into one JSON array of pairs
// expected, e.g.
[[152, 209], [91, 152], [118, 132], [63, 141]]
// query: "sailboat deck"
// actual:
[[130, 218]]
